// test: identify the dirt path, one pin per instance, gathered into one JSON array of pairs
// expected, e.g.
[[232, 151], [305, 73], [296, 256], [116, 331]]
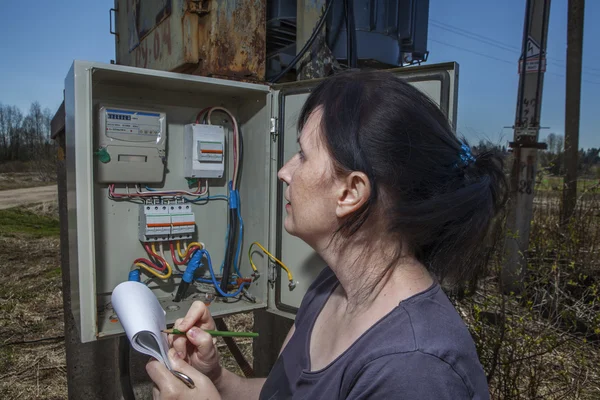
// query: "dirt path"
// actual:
[[19, 197]]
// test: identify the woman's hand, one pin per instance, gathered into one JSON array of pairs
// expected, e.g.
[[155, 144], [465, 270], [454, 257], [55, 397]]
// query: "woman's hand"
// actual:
[[197, 347], [169, 387]]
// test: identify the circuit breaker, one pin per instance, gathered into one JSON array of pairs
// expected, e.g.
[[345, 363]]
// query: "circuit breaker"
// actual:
[[149, 187], [131, 145], [204, 149], [163, 222]]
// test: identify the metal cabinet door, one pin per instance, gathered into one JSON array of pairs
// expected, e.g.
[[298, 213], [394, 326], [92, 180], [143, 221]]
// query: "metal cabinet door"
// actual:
[[439, 82]]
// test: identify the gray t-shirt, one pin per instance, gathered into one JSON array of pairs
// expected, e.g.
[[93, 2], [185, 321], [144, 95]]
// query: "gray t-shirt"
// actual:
[[420, 350]]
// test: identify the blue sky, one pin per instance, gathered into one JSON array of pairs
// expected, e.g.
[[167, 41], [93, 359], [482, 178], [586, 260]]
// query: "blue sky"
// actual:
[[42, 38]]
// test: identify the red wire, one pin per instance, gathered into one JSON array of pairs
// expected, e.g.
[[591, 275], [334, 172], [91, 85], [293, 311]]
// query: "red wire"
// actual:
[[150, 264], [187, 257], [200, 113], [155, 256]]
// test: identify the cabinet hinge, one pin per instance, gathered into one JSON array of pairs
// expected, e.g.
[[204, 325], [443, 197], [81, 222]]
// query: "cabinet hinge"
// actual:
[[274, 131], [272, 272]]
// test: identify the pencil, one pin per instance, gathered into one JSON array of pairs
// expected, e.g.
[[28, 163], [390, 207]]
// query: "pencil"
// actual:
[[214, 333]]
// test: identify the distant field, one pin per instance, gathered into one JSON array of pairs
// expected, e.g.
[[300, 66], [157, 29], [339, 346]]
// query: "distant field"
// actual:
[[555, 183], [20, 180]]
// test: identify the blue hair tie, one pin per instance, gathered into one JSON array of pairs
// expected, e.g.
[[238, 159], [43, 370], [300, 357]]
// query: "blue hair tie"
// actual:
[[466, 156]]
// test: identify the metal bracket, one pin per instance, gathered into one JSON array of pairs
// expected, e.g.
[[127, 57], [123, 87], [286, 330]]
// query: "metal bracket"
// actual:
[[273, 129], [110, 21], [272, 273], [200, 7]]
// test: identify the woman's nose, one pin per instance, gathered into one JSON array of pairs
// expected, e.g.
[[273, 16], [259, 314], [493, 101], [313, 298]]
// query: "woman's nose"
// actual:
[[284, 173]]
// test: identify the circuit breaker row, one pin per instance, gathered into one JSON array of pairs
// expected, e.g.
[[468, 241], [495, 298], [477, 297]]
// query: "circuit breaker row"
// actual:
[[166, 222]]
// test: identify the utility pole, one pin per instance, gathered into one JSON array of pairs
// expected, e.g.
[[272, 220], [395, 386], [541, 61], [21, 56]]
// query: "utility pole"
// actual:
[[572, 105], [532, 66]]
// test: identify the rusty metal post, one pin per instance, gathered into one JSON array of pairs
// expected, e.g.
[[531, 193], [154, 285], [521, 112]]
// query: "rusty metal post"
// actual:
[[532, 66], [572, 105]]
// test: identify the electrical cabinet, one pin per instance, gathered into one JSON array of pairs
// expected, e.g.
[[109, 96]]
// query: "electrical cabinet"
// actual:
[[105, 232]]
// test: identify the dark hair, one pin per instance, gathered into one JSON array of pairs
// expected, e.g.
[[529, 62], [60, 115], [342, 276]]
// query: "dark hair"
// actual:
[[376, 123]]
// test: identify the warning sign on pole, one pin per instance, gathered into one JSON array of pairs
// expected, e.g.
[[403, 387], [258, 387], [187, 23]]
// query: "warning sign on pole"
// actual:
[[533, 65], [534, 60]]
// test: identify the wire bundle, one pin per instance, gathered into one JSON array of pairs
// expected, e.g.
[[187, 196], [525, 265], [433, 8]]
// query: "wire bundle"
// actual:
[[235, 223], [156, 193], [156, 267], [195, 254]]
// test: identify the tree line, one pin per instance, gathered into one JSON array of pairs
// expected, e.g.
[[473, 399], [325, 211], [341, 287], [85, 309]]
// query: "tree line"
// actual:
[[551, 161], [25, 142]]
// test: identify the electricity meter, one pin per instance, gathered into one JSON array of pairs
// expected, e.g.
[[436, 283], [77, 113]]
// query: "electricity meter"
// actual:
[[132, 145]]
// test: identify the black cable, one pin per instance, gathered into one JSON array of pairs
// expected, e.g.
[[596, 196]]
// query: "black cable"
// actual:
[[348, 37], [231, 247], [241, 147], [353, 60], [124, 375], [307, 45]]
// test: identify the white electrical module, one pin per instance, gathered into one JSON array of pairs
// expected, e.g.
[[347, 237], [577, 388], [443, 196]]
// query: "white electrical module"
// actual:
[[131, 145], [204, 151], [183, 221], [154, 223], [162, 222]]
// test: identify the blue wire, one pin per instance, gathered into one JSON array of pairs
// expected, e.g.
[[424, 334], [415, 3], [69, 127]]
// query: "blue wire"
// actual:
[[236, 260], [239, 249], [214, 279]]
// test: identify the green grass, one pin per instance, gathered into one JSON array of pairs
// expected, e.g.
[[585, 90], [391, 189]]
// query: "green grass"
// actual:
[[19, 221], [556, 183], [53, 273]]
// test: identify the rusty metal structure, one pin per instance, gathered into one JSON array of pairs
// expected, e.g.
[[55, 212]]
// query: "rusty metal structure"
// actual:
[[219, 38], [255, 40]]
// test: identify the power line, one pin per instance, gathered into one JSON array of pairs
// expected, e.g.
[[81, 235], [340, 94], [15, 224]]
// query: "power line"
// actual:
[[472, 51], [498, 59], [474, 36], [496, 43]]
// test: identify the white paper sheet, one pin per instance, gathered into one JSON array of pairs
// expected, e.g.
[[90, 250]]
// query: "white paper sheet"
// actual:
[[143, 318]]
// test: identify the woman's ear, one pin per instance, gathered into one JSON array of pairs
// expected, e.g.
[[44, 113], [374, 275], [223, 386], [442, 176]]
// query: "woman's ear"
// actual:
[[354, 192]]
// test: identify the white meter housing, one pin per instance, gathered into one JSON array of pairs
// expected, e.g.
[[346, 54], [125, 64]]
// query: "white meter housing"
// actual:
[[132, 144], [204, 151]]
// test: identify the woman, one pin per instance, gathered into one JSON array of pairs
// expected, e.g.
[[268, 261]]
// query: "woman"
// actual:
[[395, 204]]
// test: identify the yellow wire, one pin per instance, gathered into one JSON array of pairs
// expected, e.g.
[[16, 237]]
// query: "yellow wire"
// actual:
[[192, 245], [181, 255], [272, 257], [154, 272], [169, 269]]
